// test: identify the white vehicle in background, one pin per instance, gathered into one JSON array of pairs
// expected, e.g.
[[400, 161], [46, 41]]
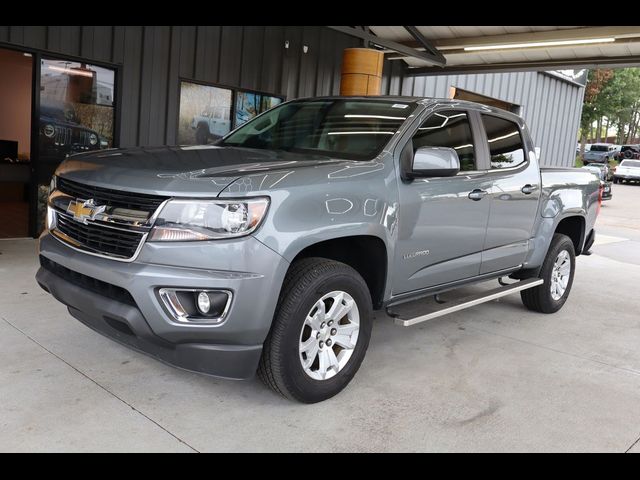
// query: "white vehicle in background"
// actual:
[[628, 170], [212, 123]]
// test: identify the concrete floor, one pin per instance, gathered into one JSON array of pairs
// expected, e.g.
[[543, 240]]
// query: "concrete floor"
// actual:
[[495, 378]]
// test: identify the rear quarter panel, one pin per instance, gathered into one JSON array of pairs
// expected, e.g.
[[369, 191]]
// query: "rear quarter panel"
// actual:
[[566, 192]]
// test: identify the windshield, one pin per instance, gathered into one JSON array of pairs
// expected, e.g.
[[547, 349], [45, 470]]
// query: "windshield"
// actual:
[[630, 163], [352, 129], [599, 148]]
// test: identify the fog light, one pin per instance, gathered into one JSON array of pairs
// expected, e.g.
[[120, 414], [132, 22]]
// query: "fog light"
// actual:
[[194, 305], [204, 304]]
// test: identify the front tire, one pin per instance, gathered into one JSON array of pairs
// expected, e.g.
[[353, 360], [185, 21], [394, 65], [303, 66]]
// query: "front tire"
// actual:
[[557, 272], [320, 331]]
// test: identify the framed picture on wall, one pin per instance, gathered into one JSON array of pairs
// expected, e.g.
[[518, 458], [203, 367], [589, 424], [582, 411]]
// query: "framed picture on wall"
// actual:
[[250, 104], [205, 113]]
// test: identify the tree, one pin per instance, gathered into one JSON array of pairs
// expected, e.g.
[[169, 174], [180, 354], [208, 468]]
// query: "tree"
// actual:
[[592, 109], [614, 96]]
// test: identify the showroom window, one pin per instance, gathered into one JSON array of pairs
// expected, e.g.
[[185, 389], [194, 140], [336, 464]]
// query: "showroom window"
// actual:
[[205, 113], [250, 104], [506, 148], [76, 115]]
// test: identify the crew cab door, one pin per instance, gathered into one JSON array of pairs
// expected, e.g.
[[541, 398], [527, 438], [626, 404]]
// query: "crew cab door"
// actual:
[[442, 220], [515, 193]]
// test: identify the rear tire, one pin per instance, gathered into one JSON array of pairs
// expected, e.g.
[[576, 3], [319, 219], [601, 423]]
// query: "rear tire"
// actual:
[[202, 134], [557, 275], [319, 371]]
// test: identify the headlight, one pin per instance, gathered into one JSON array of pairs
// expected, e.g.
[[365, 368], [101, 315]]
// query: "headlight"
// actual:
[[187, 220], [93, 138], [51, 218], [53, 184], [49, 130]]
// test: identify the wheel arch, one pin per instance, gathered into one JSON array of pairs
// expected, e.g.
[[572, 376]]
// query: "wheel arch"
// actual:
[[573, 226], [367, 254]]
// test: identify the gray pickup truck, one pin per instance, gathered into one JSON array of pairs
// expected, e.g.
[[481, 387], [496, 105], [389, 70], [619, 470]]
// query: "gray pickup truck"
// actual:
[[270, 250]]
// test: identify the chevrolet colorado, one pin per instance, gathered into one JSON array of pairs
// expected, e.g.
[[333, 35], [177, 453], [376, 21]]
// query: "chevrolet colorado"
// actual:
[[270, 250]]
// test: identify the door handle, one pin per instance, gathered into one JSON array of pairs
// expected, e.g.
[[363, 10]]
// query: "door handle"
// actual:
[[477, 194], [528, 188]]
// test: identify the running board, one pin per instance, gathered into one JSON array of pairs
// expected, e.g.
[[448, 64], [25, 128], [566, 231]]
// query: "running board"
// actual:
[[467, 302]]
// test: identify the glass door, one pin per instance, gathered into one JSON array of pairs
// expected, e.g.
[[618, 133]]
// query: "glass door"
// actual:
[[15, 142], [76, 114]]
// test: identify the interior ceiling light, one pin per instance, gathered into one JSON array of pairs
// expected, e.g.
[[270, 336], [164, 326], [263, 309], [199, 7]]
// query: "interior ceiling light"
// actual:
[[550, 43], [70, 71]]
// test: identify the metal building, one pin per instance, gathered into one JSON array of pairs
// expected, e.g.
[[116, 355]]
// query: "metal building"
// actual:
[[134, 76], [550, 102]]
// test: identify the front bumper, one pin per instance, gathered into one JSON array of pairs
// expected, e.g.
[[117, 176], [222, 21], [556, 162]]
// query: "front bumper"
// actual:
[[230, 349]]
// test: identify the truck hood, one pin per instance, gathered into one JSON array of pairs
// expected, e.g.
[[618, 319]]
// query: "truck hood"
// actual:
[[597, 154], [202, 171]]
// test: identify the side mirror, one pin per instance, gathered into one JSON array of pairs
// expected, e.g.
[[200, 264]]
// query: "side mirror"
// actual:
[[434, 162]]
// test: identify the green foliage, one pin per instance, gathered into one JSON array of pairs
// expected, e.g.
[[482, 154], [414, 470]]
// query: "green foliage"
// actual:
[[614, 94]]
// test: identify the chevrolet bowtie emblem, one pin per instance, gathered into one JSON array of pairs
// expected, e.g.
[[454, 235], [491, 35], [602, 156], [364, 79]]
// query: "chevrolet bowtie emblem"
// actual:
[[84, 209]]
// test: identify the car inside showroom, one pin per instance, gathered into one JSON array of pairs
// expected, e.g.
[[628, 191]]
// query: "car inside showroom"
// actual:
[[320, 239]]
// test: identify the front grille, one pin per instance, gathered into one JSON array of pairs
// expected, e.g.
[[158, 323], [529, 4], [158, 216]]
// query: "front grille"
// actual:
[[63, 135], [98, 238], [84, 138], [105, 289], [111, 198]]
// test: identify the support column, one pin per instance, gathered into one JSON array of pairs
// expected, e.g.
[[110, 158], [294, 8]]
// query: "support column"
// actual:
[[361, 71]]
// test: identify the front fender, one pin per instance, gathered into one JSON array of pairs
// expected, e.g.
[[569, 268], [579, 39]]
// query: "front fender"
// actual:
[[324, 202]]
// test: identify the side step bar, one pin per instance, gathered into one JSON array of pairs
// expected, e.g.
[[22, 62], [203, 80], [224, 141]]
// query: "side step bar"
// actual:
[[468, 302]]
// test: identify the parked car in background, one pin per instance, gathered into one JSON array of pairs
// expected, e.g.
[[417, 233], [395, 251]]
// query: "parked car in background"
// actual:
[[212, 123], [599, 153], [628, 152], [587, 147], [627, 171], [603, 173], [61, 133]]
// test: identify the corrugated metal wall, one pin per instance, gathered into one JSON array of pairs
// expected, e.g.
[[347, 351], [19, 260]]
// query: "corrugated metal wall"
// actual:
[[154, 58], [550, 106]]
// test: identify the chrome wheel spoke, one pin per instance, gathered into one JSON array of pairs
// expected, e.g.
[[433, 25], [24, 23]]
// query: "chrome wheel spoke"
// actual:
[[323, 330], [308, 344], [347, 329], [344, 341], [340, 308], [560, 274], [332, 359], [311, 357], [324, 364]]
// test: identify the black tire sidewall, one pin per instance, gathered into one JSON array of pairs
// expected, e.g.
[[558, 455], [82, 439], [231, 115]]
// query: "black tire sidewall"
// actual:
[[299, 384], [559, 243]]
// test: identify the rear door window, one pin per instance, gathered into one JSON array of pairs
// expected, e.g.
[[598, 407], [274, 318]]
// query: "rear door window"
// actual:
[[506, 148]]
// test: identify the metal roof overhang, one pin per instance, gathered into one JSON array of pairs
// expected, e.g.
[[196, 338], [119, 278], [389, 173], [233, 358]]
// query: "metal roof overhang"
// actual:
[[434, 50]]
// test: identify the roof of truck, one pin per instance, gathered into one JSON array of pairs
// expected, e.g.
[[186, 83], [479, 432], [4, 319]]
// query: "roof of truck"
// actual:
[[420, 100]]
